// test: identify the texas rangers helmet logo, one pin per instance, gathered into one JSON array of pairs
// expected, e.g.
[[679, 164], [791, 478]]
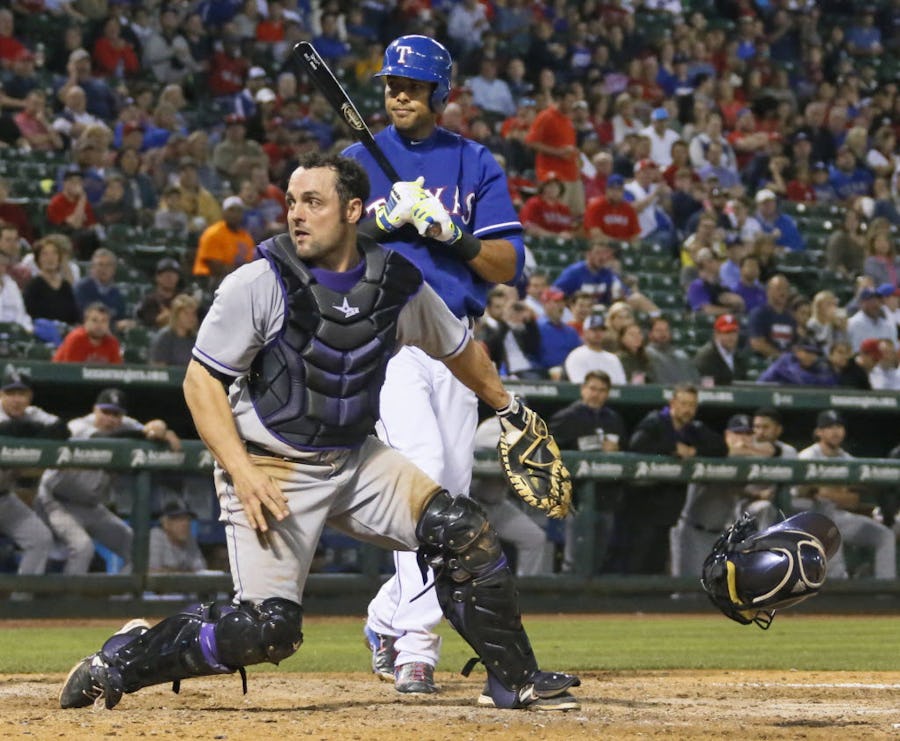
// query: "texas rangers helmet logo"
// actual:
[[346, 309], [402, 51]]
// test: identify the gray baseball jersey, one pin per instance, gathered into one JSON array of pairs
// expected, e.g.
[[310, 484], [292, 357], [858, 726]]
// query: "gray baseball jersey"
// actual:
[[855, 529], [74, 502], [168, 556], [248, 313], [86, 486], [371, 493], [17, 520]]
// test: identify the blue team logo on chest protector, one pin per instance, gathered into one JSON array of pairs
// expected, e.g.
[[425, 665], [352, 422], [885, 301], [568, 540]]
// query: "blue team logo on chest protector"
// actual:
[[317, 385]]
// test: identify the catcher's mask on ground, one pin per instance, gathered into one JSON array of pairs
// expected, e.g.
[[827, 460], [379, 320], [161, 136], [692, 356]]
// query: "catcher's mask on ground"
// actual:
[[749, 574]]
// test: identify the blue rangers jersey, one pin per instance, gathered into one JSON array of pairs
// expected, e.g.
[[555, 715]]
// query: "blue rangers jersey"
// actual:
[[470, 184]]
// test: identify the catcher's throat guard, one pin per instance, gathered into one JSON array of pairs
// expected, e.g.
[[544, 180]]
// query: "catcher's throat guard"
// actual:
[[751, 574], [532, 462]]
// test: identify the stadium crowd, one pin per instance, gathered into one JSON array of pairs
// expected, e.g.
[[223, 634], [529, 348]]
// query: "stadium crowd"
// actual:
[[709, 189]]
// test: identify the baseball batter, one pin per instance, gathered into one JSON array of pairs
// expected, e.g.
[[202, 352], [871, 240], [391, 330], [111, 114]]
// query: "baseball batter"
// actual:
[[426, 413], [283, 389]]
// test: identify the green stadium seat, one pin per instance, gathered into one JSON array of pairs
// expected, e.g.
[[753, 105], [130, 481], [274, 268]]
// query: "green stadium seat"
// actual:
[[663, 281], [657, 264], [39, 351]]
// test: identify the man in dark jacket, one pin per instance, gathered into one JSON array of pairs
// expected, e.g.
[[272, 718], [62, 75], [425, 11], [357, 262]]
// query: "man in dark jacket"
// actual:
[[856, 373], [720, 359], [652, 507], [509, 332], [589, 424]]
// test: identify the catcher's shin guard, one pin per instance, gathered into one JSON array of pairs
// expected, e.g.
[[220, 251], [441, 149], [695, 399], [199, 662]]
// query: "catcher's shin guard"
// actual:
[[203, 640], [476, 591]]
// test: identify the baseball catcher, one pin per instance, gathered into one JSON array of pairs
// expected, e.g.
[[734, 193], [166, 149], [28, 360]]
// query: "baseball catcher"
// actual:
[[532, 463], [750, 574]]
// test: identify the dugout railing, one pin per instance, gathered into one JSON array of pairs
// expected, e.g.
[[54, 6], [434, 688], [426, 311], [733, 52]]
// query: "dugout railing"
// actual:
[[89, 594]]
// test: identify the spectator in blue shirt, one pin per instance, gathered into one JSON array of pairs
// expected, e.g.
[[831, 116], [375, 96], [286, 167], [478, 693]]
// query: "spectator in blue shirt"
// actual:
[[821, 184], [748, 287], [848, 179], [730, 270], [245, 101], [328, 42], [779, 225], [596, 275], [771, 327], [100, 285], [705, 295], [801, 366], [558, 339], [864, 39]]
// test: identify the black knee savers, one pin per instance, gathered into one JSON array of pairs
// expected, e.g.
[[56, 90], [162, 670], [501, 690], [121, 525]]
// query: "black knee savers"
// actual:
[[474, 586], [206, 639]]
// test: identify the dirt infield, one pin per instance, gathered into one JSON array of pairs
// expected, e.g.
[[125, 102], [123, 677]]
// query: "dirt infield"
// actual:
[[622, 705]]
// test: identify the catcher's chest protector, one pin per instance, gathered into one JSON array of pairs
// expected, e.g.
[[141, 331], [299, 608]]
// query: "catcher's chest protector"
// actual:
[[317, 385]]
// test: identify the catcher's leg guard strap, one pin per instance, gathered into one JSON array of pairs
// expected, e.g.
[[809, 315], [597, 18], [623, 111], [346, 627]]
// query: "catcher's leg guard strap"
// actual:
[[475, 587], [206, 639]]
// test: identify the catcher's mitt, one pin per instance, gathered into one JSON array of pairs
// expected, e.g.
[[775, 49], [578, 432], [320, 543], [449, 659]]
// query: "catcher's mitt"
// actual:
[[532, 462]]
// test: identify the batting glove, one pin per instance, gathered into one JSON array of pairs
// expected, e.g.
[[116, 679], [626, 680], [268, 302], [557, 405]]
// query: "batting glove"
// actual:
[[429, 211], [431, 219], [397, 210]]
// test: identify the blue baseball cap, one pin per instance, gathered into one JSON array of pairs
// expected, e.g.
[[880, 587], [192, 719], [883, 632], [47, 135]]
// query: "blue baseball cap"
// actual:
[[615, 181], [866, 293], [659, 114]]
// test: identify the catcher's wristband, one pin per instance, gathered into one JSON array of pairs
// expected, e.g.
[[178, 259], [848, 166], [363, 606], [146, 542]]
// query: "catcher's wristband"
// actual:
[[512, 407], [371, 229]]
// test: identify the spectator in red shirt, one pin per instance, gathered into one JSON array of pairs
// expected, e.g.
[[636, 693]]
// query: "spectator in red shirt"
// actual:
[[552, 136], [514, 130], [799, 188], [270, 29], [14, 213], [747, 139], [595, 181], [680, 158], [545, 214], [33, 125], [70, 212], [10, 46], [228, 68], [113, 55], [611, 214], [92, 342]]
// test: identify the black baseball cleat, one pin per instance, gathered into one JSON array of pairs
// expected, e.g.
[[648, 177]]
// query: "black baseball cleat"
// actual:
[[90, 681], [93, 680], [546, 691]]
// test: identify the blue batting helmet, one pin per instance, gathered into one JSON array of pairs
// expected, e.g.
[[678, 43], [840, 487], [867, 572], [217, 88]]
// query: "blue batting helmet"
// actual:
[[749, 574], [420, 58]]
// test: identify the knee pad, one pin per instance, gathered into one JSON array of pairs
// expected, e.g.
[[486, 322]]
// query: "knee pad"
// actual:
[[456, 533], [475, 588], [206, 639], [251, 634]]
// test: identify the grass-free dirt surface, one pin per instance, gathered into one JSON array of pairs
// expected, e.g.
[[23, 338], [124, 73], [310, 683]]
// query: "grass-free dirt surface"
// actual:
[[620, 705]]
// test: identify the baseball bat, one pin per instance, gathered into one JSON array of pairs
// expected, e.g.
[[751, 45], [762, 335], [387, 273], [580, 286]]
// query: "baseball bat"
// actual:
[[323, 78]]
